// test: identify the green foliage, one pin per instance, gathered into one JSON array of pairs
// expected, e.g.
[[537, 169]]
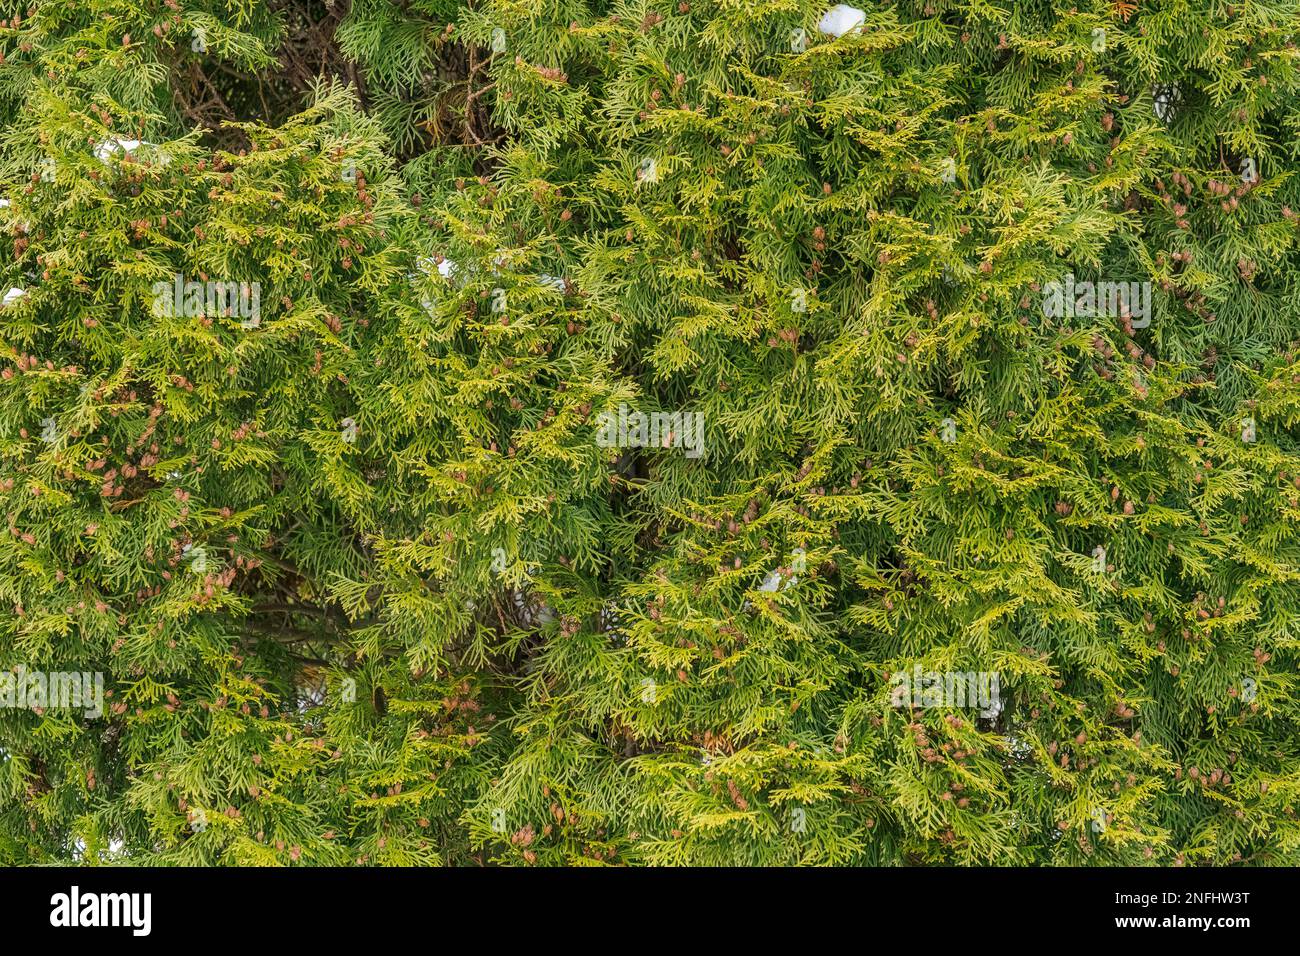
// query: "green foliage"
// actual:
[[363, 583]]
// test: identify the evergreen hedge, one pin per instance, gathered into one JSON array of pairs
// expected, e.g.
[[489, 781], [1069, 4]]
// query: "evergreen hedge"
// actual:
[[650, 433]]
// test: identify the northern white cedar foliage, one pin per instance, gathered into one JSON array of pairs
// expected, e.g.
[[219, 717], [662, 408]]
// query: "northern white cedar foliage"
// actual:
[[364, 586]]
